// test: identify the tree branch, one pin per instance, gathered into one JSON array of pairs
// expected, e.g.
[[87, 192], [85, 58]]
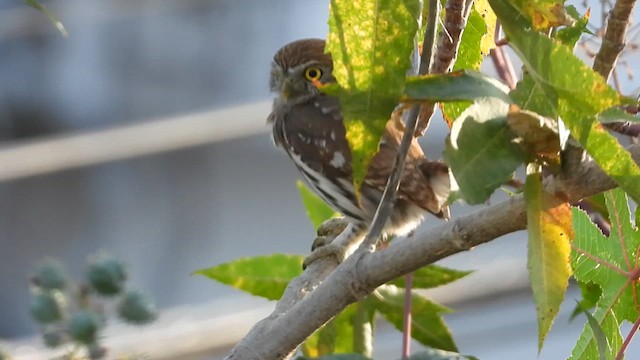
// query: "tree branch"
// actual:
[[614, 39], [455, 20], [320, 293], [502, 62]]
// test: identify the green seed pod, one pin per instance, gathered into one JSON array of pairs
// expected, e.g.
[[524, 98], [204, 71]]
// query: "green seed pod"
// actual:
[[107, 276], [45, 307], [84, 327], [50, 275], [136, 308], [53, 339]]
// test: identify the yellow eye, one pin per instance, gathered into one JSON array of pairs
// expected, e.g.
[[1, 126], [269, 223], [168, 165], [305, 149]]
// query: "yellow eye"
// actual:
[[313, 73]]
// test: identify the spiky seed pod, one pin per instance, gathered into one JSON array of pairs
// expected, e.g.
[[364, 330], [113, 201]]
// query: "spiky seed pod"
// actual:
[[84, 327], [135, 307], [107, 276], [50, 275], [45, 307]]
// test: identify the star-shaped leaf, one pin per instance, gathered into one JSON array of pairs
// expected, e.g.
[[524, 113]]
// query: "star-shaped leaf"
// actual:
[[427, 324], [610, 262], [264, 276]]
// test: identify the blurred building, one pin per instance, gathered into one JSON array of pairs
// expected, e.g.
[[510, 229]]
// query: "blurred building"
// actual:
[[129, 63]]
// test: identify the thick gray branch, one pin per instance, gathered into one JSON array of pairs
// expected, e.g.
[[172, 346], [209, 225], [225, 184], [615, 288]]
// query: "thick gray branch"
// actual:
[[321, 292], [614, 39]]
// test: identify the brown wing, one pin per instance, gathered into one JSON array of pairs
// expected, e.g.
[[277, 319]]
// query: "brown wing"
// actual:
[[424, 182], [315, 132]]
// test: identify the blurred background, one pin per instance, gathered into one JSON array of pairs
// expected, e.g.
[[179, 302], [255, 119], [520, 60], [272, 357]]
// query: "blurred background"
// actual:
[[143, 134]]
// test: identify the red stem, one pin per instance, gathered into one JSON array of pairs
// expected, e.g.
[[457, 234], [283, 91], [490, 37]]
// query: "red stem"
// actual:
[[406, 316], [628, 339]]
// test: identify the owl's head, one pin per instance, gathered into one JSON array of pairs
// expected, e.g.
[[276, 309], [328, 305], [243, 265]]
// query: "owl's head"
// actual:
[[296, 66]]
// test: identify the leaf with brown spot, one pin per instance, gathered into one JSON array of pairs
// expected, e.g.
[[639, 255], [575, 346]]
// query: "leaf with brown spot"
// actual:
[[538, 135], [550, 232]]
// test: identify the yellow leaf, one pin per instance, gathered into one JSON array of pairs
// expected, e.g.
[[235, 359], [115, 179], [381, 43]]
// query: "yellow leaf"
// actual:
[[550, 232]]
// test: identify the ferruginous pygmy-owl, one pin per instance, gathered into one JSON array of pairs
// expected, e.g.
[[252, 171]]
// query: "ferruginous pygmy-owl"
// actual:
[[308, 125]]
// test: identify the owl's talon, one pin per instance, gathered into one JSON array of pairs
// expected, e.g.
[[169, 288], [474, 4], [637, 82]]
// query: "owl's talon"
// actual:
[[337, 238], [332, 227], [327, 250], [321, 241]]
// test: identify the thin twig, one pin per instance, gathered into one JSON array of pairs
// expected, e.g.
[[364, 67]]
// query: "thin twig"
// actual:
[[616, 80], [455, 20], [386, 203], [502, 62]]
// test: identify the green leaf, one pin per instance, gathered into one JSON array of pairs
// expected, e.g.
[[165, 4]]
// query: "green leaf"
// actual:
[[587, 347], [530, 96], [427, 326], [480, 151], [337, 336], [576, 94], [598, 203], [598, 334], [452, 110], [469, 53], [431, 276], [550, 232], [618, 250], [603, 261], [264, 276], [317, 210], [455, 86], [571, 34], [336, 357], [371, 44], [435, 354], [590, 296], [616, 114], [52, 17], [488, 41]]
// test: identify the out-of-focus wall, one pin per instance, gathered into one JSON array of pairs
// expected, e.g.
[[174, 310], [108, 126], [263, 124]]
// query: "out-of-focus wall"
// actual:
[[166, 215], [169, 214]]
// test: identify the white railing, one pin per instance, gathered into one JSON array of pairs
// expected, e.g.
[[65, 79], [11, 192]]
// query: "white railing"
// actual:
[[67, 151]]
